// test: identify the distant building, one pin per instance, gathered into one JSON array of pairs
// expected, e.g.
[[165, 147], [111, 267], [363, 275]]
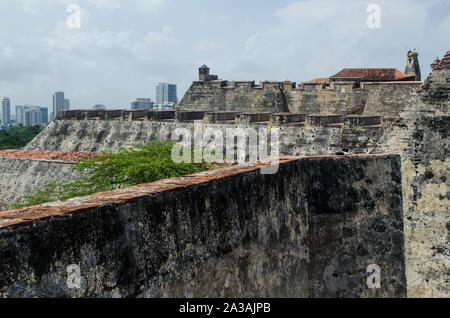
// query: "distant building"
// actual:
[[166, 93], [58, 102], [31, 115], [142, 103], [99, 107], [19, 114], [44, 111], [66, 104], [6, 111]]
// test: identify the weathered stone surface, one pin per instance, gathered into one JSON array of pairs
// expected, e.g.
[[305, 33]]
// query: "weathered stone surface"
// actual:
[[321, 135], [386, 98], [436, 88], [20, 177], [310, 230], [421, 136], [424, 143]]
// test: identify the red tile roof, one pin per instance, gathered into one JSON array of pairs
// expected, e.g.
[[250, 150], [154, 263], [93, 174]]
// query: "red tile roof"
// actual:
[[375, 74]]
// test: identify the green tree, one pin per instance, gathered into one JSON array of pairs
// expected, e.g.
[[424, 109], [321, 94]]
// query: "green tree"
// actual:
[[17, 137]]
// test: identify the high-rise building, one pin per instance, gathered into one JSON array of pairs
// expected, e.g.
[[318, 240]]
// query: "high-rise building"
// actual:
[[6, 111], [58, 102], [142, 103], [19, 114], [166, 94], [44, 111], [66, 104], [32, 118]]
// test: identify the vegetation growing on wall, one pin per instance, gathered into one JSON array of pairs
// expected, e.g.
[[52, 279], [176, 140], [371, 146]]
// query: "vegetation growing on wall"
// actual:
[[17, 137], [138, 165]]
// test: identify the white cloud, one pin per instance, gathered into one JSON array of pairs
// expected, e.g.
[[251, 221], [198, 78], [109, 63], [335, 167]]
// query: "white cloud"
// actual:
[[106, 4], [206, 45], [444, 28], [317, 38], [7, 52], [154, 38], [87, 40], [150, 6]]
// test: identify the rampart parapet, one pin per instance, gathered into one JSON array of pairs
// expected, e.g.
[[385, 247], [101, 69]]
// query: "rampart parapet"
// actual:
[[287, 118], [324, 120], [188, 116], [357, 121], [212, 117]]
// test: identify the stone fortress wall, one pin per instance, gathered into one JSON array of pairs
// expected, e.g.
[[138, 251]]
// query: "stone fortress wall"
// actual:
[[232, 232], [384, 98], [351, 91], [22, 172], [300, 134], [98, 131], [421, 135]]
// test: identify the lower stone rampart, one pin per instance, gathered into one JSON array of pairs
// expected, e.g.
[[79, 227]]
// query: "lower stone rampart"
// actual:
[[22, 172], [300, 134], [311, 230]]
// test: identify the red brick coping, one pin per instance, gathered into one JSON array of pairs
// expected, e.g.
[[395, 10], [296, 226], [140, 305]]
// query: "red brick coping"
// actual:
[[26, 216], [46, 155]]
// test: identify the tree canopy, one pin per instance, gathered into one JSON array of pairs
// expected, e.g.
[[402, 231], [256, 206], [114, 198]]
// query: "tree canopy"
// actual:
[[17, 137]]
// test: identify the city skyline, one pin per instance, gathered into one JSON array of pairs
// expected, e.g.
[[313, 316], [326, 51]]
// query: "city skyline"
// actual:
[[66, 104], [31, 115]]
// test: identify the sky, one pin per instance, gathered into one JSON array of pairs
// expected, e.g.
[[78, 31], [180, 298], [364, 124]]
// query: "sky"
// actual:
[[124, 48]]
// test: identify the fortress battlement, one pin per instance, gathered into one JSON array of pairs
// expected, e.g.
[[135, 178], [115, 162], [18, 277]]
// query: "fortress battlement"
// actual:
[[220, 117], [327, 84], [336, 97], [303, 86]]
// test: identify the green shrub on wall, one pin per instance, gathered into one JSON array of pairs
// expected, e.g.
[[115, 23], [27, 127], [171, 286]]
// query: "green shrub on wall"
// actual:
[[128, 167]]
